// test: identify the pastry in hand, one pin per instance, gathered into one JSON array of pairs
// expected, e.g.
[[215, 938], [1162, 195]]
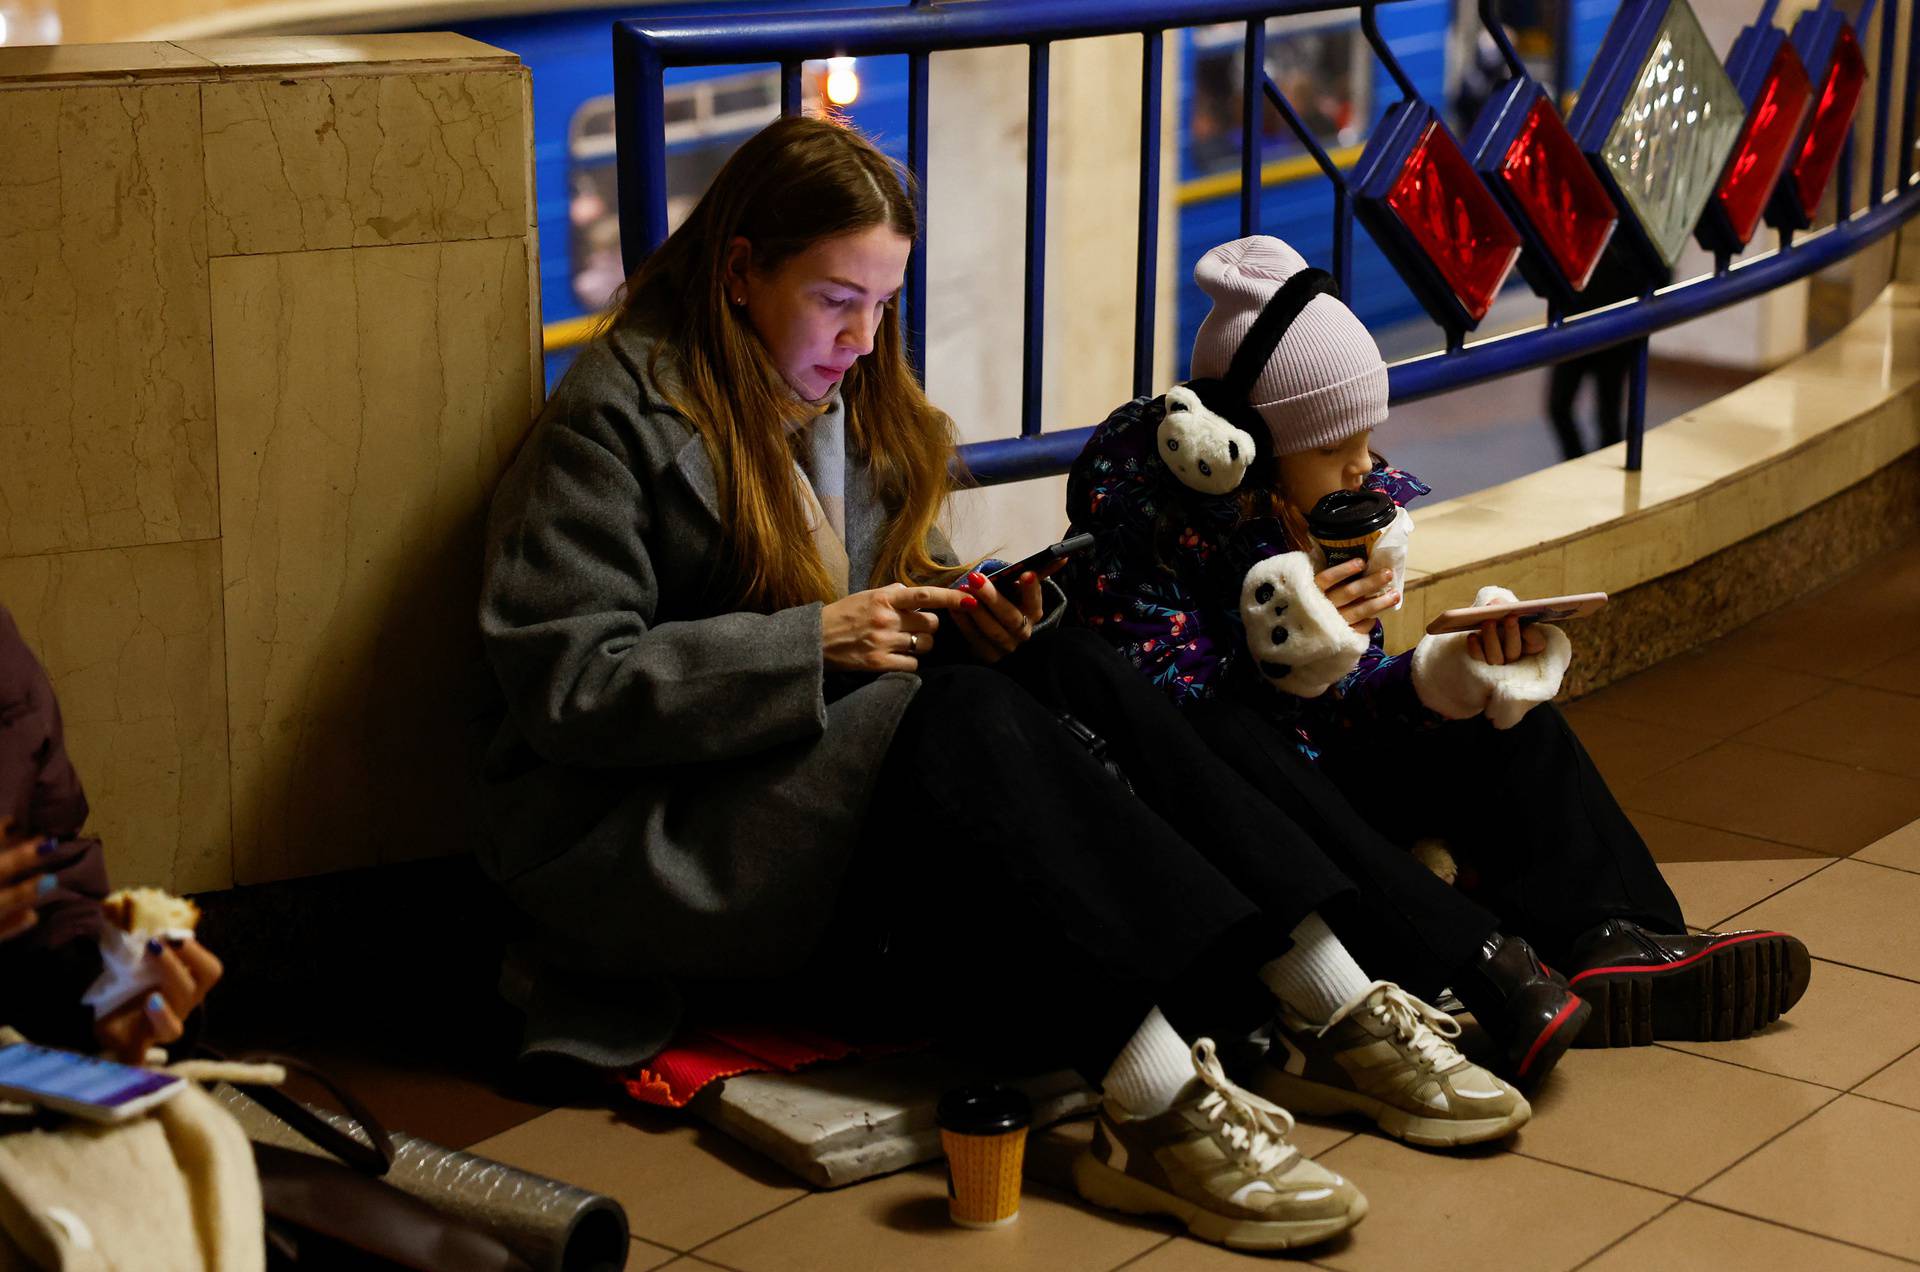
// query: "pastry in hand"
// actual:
[[151, 912]]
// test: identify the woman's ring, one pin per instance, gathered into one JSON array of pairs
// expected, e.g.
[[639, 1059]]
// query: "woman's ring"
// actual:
[[913, 642]]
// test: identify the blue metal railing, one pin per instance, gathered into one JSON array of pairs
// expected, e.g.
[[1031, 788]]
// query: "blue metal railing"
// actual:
[[644, 48]]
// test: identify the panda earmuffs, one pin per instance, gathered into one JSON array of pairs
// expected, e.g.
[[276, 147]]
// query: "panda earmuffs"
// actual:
[[1210, 436]]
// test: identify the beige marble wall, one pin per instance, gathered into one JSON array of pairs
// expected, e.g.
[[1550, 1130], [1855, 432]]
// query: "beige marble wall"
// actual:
[[106, 374], [133, 642], [355, 472], [266, 316]]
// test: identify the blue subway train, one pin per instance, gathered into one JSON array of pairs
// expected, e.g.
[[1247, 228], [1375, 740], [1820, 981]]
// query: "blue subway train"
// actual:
[[1321, 61]]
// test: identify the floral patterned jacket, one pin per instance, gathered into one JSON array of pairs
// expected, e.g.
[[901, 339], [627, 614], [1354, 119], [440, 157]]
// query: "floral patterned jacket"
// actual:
[[1163, 585]]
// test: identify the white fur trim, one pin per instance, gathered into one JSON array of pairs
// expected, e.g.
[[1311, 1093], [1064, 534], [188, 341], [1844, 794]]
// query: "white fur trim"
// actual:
[[1292, 625], [1455, 684], [1203, 450]]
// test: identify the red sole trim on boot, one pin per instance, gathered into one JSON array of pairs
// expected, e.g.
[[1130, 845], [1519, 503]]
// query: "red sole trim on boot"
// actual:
[[1574, 1003], [1656, 968]]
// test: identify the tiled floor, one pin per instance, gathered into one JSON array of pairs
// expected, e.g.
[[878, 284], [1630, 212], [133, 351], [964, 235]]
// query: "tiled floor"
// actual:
[[1776, 775]]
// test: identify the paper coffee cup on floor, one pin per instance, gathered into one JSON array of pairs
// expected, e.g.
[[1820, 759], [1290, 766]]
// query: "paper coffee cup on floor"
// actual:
[[984, 1132]]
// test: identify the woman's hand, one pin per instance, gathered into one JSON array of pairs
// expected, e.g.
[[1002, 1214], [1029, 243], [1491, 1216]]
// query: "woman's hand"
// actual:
[[887, 628], [1001, 624], [1498, 644], [1360, 599], [186, 971], [23, 882]]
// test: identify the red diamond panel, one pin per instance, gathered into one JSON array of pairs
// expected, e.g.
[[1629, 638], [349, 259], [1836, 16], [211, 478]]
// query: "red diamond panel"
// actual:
[[1566, 204], [1440, 200], [1838, 100], [1778, 112]]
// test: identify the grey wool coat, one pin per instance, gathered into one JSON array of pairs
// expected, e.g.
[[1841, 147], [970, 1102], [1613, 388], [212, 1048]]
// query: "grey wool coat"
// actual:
[[670, 793]]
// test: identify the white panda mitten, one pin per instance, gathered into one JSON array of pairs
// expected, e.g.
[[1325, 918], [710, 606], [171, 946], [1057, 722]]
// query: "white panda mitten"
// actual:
[[1453, 683], [1204, 451], [1293, 630]]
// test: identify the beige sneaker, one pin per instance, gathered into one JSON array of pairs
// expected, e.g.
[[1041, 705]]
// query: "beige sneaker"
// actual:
[[1219, 1162], [1390, 1056]]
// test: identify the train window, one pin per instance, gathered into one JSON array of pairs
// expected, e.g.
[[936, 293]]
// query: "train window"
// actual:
[[705, 120], [1322, 69]]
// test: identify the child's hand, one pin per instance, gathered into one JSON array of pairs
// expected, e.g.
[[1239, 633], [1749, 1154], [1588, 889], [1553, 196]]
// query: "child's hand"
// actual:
[[1360, 599], [1498, 644]]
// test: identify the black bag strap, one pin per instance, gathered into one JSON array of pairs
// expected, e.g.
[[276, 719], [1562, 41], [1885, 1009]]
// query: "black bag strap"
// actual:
[[373, 1156], [1271, 326]]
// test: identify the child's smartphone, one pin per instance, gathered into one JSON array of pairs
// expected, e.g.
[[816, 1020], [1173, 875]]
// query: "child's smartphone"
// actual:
[[1006, 577], [1554, 609], [98, 1090]]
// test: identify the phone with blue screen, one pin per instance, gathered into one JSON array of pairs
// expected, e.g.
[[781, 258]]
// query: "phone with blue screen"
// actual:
[[98, 1090]]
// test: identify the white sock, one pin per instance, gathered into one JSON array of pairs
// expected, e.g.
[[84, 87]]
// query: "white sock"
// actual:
[[1317, 977], [1151, 1069]]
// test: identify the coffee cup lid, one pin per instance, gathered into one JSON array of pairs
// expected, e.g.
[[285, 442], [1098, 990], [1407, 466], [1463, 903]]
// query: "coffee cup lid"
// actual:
[[985, 1109], [1351, 512]]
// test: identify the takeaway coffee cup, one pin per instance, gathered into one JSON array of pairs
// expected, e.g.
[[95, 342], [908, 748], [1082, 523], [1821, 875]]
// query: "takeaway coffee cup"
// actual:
[[984, 1132], [1347, 523]]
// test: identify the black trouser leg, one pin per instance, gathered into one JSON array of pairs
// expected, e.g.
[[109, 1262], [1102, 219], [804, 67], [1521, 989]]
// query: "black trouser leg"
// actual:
[[1266, 853], [1563, 387], [1402, 924], [1527, 812], [1028, 894], [1610, 376]]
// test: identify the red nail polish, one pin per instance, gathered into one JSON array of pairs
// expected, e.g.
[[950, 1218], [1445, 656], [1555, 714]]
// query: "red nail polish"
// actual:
[[973, 602], [977, 579]]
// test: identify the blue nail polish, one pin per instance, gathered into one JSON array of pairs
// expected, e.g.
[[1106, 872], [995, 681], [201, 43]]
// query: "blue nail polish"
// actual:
[[156, 1004], [47, 883], [153, 949], [49, 846]]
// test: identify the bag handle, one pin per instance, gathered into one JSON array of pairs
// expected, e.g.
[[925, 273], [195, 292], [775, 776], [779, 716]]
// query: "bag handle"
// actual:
[[374, 1156]]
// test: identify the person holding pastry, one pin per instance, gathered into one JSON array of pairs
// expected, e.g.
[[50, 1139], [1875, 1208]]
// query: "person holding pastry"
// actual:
[[54, 924]]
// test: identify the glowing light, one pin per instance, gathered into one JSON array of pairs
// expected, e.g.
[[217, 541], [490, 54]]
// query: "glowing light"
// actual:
[[3, 28], [843, 82], [1564, 203], [1666, 149], [1449, 213]]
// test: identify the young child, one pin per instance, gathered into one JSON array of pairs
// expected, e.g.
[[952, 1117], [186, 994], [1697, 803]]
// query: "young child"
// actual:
[[1215, 594]]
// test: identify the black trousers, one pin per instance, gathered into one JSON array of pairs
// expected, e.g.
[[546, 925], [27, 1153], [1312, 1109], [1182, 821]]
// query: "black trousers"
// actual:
[[1023, 895], [1609, 369], [1546, 853]]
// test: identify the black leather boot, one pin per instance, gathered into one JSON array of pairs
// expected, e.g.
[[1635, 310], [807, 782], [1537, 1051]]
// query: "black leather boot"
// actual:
[[1696, 987], [1530, 1013]]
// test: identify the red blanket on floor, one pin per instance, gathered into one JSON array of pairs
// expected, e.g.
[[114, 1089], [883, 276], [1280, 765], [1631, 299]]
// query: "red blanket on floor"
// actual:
[[700, 1056]]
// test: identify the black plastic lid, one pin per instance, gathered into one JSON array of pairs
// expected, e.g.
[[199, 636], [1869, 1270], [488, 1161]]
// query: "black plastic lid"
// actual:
[[1348, 514], [987, 1109]]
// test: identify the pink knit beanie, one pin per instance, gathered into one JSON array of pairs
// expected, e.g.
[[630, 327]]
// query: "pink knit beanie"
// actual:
[[1326, 381]]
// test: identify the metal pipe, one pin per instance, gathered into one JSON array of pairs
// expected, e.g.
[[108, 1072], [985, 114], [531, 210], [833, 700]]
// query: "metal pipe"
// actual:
[[1495, 28], [718, 39], [1370, 27], [792, 95], [1252, 139], [1034, 328], [1912, 93], [1637, 406], [639, 133], [1342, 270], [1050, 453], [916, 306], [1882, 100], [1146, 281]]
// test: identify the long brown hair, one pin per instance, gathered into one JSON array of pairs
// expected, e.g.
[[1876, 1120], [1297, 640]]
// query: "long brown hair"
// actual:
[[792, 184]]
